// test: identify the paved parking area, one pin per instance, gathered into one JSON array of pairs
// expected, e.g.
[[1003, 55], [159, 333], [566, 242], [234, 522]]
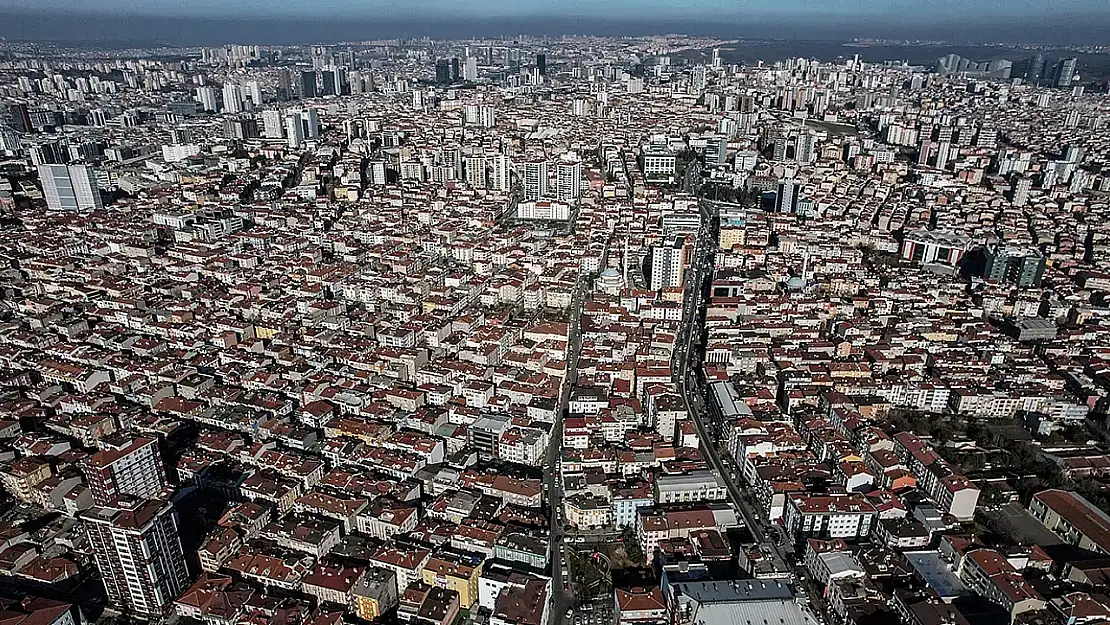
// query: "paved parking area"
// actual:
[[1015, 521]]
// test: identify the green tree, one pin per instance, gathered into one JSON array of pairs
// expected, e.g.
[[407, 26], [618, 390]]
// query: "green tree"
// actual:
[[632, 547]]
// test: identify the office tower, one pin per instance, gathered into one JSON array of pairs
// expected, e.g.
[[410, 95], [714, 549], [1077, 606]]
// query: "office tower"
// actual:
[[272, 124], [329, 83], [137, 550], [535, 179], [207, 98], [233, 98], [786, 200], [1065, 72], [1022, 186], [541, 64], [294, 131], [717, 57], [308, 84], [502, 173], [21, 118], [470, 70], [443, 71], [456, 69], [668, 263], [70, 187], [1014, 264], [476, 172], [311, 123], [124, 466], [1034, 69], [254, 93], [568, 180]]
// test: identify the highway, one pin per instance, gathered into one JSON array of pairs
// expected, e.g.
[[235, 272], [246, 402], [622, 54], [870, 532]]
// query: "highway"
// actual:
[[562, 600]]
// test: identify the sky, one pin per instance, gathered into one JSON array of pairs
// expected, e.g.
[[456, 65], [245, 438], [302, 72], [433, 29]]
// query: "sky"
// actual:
[[640, 10]]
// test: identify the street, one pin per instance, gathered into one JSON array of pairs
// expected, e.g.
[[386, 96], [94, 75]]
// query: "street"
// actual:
[[562, 598], [689, 386]]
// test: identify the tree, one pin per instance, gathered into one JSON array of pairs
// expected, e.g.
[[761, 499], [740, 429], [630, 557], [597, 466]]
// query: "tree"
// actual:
[[632, 547]]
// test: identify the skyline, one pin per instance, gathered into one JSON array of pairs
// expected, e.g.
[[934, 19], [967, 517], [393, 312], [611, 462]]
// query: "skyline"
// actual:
[[45, 23], [717, 9]]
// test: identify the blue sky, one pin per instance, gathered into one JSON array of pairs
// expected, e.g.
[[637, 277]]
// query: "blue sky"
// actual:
[[886, 10]]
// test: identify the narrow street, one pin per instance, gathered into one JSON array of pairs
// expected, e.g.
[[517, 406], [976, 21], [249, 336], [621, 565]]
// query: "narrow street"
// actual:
[[561, 599]]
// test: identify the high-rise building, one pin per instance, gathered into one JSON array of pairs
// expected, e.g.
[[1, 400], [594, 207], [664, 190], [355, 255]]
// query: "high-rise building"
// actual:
[[339, 77], [1022, 186], [311, 123], [21, 118], [470, 70], [806, 147], [778, 151], [535, 179], [924, 150], [456, 69], [233, 98], [443, 71], [294, 131], [308, 84], [329, 84], [786, 200], [254, 93], [70, 187], [944, 154], [476, 172], [272, 124], [354, 79], [124, 466], [1014, 264], [284, 86], [1065, 72], [137, 550], [668, 263], [568, 180], [1034, 69], [699, 79], [207, 98], [502, 173], [717, 57], [241, 127], [541, 64]]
